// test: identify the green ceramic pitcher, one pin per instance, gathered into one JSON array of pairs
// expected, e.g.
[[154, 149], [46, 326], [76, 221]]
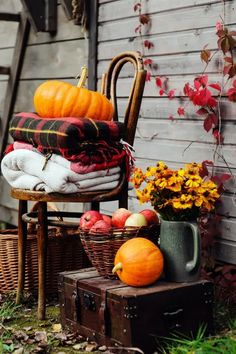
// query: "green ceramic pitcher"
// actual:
[[180, 245]]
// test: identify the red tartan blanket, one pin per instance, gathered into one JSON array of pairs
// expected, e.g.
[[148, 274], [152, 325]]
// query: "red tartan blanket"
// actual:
[[66, 133]]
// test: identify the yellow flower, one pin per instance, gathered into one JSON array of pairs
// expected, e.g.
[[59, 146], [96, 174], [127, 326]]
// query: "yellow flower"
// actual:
[[193, 181], [183, 202], [175, 193], [175, 182], [151, 171], [161, 166]]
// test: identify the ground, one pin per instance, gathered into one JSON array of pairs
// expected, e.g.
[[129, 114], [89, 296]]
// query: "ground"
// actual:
[[22, 333]]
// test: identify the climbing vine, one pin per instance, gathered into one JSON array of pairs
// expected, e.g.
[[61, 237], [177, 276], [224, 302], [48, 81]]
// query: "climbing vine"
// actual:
[[206, 97]]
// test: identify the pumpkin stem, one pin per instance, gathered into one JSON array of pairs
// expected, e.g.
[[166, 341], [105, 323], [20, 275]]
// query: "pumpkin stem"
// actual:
[[118, 266], [83, 76]]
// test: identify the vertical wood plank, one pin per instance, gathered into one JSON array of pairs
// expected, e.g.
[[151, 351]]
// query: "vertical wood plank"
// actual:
[[16, 66], [93, 37]]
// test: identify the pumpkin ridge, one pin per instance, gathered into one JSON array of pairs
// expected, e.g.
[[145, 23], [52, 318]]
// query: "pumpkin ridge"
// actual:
[[93, 107], [58, 102], [65, 107], [83, 95]]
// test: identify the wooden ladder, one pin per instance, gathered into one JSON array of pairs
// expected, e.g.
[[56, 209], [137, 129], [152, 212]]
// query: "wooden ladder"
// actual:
[[13, 72]]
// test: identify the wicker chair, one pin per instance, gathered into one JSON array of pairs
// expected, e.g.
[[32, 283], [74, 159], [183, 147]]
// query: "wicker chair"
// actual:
[[120, 193]]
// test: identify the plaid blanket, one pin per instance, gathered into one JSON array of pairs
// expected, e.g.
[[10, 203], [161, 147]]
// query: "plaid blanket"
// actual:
[[66, 133]]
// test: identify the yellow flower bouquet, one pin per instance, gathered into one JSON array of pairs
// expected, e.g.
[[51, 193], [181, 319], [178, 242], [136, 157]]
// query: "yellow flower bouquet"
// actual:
[[177, 195]]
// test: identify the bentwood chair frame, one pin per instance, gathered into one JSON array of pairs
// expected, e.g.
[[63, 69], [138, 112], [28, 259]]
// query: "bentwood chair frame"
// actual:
[[120, 193]]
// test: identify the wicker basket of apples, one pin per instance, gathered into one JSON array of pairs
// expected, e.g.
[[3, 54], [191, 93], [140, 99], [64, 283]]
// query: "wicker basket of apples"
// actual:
[[102, 235]]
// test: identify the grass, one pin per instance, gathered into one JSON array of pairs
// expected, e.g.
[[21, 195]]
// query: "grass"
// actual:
[[220, 344], [19, 328]]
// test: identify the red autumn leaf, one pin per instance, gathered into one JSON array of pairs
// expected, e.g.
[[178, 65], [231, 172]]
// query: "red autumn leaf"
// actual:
[[227, 69], [231, 93], [207, 123], [197, 84], [215, 86], [212, 102], [181, 111], [171, 94], [138, 29], [219, 26], [219, 138], [228, 59], [225, 177], [171, 117], [158, 81], [147, 62], [161, 92], [137, 6], [234, 83], [205, 165], [202, 112], [148, 76], [214, 118], [224, 44], [202, 97], [203, 80], [144, 19], [148, 44]]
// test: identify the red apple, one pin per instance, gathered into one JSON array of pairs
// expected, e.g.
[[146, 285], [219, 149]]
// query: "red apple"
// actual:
[[119, 217], [136, 219], [107, 219], [89, 218], [100, 227], [151, 216]]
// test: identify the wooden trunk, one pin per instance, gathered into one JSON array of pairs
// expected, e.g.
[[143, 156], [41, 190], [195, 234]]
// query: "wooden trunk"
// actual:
[[111, 313]]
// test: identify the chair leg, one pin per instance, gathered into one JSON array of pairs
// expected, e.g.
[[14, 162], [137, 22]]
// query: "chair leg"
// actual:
[[123, 200], [42, 258], [95, 206], [22, 240]]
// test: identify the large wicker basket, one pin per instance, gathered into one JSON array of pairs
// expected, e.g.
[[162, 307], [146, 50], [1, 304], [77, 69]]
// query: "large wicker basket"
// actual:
[[101, 248], [64, 252]]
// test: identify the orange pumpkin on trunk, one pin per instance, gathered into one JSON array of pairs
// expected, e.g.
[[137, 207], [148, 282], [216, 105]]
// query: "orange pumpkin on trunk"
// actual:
[[57, 99], [138, 262]]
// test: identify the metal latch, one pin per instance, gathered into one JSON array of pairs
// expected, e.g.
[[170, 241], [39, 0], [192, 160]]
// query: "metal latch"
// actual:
[[130, 311], [173, 318], [89, 301]]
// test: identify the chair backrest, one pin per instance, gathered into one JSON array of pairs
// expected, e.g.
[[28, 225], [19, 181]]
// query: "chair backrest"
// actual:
[[109, 88]]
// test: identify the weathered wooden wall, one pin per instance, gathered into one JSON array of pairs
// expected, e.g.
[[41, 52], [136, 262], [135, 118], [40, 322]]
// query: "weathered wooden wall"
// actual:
[[179, 30], [58, 56]]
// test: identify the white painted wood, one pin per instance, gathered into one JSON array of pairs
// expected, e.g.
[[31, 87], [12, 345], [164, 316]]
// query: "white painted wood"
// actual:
[[66, 31], [10, 6], [59, 59], [176, 64], [8, 32], [183, 152], [180, 130], [181, 20], [112, 10], [179, 30], [190, 40], [226, 251]]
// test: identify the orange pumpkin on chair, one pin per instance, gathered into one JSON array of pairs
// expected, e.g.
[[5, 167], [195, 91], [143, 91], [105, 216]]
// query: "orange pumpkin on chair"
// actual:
[[58, 99]]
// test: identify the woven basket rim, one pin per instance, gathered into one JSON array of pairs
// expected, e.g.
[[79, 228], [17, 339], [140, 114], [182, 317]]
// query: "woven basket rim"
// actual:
[[115, 233]]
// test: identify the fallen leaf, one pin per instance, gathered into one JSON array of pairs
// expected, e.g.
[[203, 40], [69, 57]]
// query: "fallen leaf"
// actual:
[[41, 336], [18, 351], [56, 328], [79, 346], [91, 347]]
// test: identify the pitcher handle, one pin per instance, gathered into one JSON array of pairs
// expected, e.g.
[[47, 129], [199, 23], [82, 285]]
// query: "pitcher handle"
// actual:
[[191, 265]]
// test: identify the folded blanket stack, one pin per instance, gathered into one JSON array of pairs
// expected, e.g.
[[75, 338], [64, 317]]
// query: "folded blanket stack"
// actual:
[[66, 155]]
